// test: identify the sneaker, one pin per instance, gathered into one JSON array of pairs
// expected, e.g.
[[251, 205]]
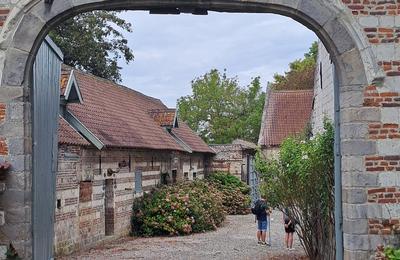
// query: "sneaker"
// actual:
[[268, 244], [259, 242], [264, 243], [291, 249]]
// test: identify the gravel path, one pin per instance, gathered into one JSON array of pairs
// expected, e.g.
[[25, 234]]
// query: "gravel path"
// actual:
[[235, 240]]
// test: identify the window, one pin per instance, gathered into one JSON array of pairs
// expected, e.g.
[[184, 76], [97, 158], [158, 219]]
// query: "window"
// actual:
[[194, 175], [58, 203], [186, 176], [320, 73], [138, 182]]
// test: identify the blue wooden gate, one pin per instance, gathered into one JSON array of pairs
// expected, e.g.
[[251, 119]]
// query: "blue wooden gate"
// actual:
[[254, 180], [46, 96]]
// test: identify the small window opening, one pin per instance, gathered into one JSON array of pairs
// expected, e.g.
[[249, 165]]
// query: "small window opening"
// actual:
[[320, 73], [58, 203]]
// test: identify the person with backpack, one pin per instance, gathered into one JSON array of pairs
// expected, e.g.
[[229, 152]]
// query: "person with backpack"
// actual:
[[261, 212]]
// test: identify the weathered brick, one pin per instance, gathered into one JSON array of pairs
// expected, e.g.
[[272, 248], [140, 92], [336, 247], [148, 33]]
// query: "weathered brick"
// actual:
[[3, 147], [2, 112]]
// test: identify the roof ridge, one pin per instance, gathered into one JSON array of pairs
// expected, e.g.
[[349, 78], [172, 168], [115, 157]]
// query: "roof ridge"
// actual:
[[112, 83], [294, 91]]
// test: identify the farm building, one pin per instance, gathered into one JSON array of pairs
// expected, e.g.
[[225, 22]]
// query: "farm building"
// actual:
[[233, 158], [286, 113], [114, 144]]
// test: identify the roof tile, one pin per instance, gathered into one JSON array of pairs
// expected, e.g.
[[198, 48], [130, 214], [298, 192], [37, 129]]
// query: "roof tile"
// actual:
[[68, 135], [120, 117], [286, 113]]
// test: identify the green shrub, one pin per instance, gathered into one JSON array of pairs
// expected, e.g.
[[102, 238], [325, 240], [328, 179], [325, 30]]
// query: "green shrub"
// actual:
[[235, 193], [181, 209], [228, 180], [392, 253]]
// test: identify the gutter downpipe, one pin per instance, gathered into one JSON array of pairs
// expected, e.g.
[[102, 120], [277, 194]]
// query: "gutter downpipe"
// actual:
[[338, 172]]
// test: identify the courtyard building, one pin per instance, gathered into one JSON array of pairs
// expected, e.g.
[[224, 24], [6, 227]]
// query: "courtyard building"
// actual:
[[286, 113], [114, 144], [233, 158]]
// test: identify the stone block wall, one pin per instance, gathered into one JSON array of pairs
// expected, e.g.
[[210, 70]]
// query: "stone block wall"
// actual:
[[229, 158], [67, 199], [323, 104], [372, 191], [193, 167], [96, 189]]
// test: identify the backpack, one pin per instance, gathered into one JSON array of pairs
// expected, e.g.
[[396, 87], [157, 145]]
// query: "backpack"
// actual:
[[259, 207]]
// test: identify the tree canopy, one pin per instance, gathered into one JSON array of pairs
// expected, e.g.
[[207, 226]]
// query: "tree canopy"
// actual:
[[94, 42], [219, 110], [300, 74]]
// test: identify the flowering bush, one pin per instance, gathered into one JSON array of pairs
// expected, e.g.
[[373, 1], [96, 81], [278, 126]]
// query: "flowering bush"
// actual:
[[181, 209], [301, 180], [235, 193]]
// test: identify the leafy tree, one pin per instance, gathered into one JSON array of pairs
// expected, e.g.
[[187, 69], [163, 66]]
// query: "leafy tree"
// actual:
[[93, 42], [300, 74], [219, 110]]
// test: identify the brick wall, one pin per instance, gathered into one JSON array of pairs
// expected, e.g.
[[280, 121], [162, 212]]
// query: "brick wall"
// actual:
[[85, 216], [373, 7], [3, 15], [229, 158], [85, 191], [383, 35], [378, 97]]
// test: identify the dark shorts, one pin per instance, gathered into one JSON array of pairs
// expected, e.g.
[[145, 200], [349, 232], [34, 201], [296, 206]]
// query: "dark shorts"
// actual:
[[262, 225], [290, 229]]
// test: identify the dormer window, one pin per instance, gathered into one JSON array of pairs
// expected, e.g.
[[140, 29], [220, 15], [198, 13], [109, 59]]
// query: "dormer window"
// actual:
[[72, 92]]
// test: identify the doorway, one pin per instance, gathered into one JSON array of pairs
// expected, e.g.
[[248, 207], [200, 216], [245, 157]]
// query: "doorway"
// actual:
[[109, 207]]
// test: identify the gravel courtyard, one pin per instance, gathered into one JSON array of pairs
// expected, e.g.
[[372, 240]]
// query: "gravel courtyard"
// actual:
[[235, 240]]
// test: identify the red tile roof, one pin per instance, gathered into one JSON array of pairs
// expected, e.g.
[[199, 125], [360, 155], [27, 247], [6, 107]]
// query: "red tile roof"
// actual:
[[68, 135], [286, 113], [119, 117], [190, 138]]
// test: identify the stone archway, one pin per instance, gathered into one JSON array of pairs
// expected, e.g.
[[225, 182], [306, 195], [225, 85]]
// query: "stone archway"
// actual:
[[338, 25]]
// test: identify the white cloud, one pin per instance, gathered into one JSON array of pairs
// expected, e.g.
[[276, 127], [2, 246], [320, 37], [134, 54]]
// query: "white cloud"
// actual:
[[171, 50]]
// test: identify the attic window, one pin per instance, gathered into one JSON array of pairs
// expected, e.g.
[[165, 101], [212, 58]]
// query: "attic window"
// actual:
[[72, 91]]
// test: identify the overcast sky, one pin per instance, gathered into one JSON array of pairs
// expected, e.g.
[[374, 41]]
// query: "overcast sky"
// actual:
[[171, 50]]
